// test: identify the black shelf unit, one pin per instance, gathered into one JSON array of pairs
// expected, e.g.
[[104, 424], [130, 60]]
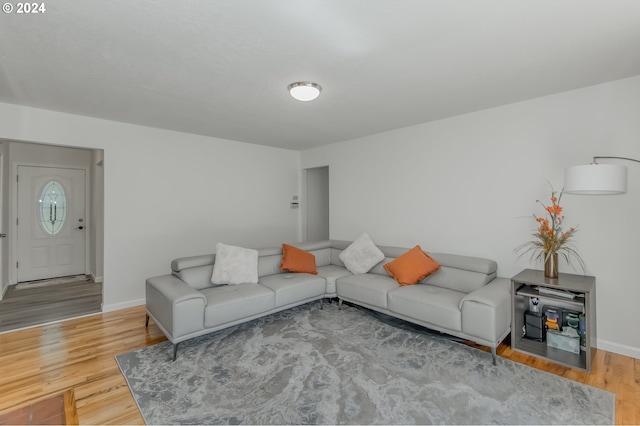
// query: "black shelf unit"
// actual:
[[523, 287]]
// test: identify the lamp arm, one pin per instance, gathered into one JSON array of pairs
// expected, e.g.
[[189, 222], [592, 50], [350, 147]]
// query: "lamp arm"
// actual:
[[595, 159]]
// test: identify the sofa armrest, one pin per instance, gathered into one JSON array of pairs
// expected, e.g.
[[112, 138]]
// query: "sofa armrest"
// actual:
[[486, 312], [177, 308]]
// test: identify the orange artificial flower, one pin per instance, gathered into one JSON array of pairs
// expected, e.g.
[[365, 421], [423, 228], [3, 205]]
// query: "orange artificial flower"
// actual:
[[550, 238], [554, 209]]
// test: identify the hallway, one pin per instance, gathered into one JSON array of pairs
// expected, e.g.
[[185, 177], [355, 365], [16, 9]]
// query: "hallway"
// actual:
[[36, 305]]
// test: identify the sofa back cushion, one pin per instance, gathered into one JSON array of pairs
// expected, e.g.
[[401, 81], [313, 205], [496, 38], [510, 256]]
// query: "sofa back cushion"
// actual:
[[323, 256], [461, 273], [320, 249], [335, 257], [194, 270], [390, 253], [269, 260], [379, 268], [197, 270]]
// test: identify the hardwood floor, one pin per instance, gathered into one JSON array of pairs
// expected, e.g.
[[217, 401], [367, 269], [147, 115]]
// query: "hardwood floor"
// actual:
[[79, 355], [21, 308], [57, 410]]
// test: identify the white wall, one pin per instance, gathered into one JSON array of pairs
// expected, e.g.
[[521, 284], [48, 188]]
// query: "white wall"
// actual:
[[47, 155], [170, 194], [468, 185]]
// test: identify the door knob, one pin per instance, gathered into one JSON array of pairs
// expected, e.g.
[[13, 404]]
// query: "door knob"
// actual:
[[80, 227], [3, 235]]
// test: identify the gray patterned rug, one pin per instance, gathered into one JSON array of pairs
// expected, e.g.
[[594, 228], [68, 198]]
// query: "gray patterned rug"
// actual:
[[312, 366]]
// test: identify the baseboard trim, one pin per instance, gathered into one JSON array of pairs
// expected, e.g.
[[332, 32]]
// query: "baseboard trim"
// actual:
[[51, 322], [619, 349], [94, 278], [123, 305]]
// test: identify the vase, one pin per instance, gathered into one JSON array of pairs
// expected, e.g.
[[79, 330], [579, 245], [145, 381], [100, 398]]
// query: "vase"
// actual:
[[551, 265]]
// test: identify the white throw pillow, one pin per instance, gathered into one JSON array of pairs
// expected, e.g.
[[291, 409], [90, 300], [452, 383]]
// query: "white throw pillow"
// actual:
[[361, 255], [235, 265]]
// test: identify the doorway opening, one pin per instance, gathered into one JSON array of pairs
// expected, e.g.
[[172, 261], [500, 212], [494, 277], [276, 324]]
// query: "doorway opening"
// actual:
[[54, 199], [317, 204]]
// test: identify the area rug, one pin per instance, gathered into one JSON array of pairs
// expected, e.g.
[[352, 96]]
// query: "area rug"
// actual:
[[312, 366]]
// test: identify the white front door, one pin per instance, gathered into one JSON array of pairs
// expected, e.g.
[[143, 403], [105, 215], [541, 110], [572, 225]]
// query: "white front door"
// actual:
[[51, 222]]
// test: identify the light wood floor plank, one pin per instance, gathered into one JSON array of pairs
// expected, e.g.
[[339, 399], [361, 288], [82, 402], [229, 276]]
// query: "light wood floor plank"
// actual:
[[70, 410], [78, 355]]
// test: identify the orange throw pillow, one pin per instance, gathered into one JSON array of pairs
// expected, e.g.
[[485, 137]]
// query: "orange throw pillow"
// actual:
[[297, 260], [412, 266]]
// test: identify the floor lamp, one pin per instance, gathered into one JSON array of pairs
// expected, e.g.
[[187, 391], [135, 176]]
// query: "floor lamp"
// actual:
[[597, 179]]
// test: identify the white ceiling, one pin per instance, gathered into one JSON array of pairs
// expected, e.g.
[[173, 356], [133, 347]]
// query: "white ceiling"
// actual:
[[221, 68]]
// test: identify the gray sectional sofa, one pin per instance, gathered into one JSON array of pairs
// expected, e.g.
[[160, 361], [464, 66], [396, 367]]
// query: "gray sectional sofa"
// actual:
[[464, 298]]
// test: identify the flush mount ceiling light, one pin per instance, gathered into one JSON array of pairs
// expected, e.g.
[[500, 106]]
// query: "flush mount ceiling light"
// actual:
[[304, 91]]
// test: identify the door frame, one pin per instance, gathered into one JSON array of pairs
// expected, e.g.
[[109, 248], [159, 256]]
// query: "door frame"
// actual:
[[13, 242], [2, 283]]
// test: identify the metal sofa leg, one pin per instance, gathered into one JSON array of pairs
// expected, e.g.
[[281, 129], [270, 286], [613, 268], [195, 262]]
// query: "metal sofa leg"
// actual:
[[175, 351], [321, 303], [495, 356], [146, 322], [339, 304]]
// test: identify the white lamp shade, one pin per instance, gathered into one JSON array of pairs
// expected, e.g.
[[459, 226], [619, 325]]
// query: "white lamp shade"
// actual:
[[304, 91], [594, 179]]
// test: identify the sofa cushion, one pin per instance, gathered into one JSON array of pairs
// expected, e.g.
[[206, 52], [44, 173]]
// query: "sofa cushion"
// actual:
[[235, 265], [297, 260], [194, 270], [294, 287], [462, 273], [412, 266], [323, 256], [230, 303], [367, 289], [429, 304], [361, 255], [197, 277], [331, 273], [269, 265]]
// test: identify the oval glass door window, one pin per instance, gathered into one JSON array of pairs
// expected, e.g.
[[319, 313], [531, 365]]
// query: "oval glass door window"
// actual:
[[53, 207]]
